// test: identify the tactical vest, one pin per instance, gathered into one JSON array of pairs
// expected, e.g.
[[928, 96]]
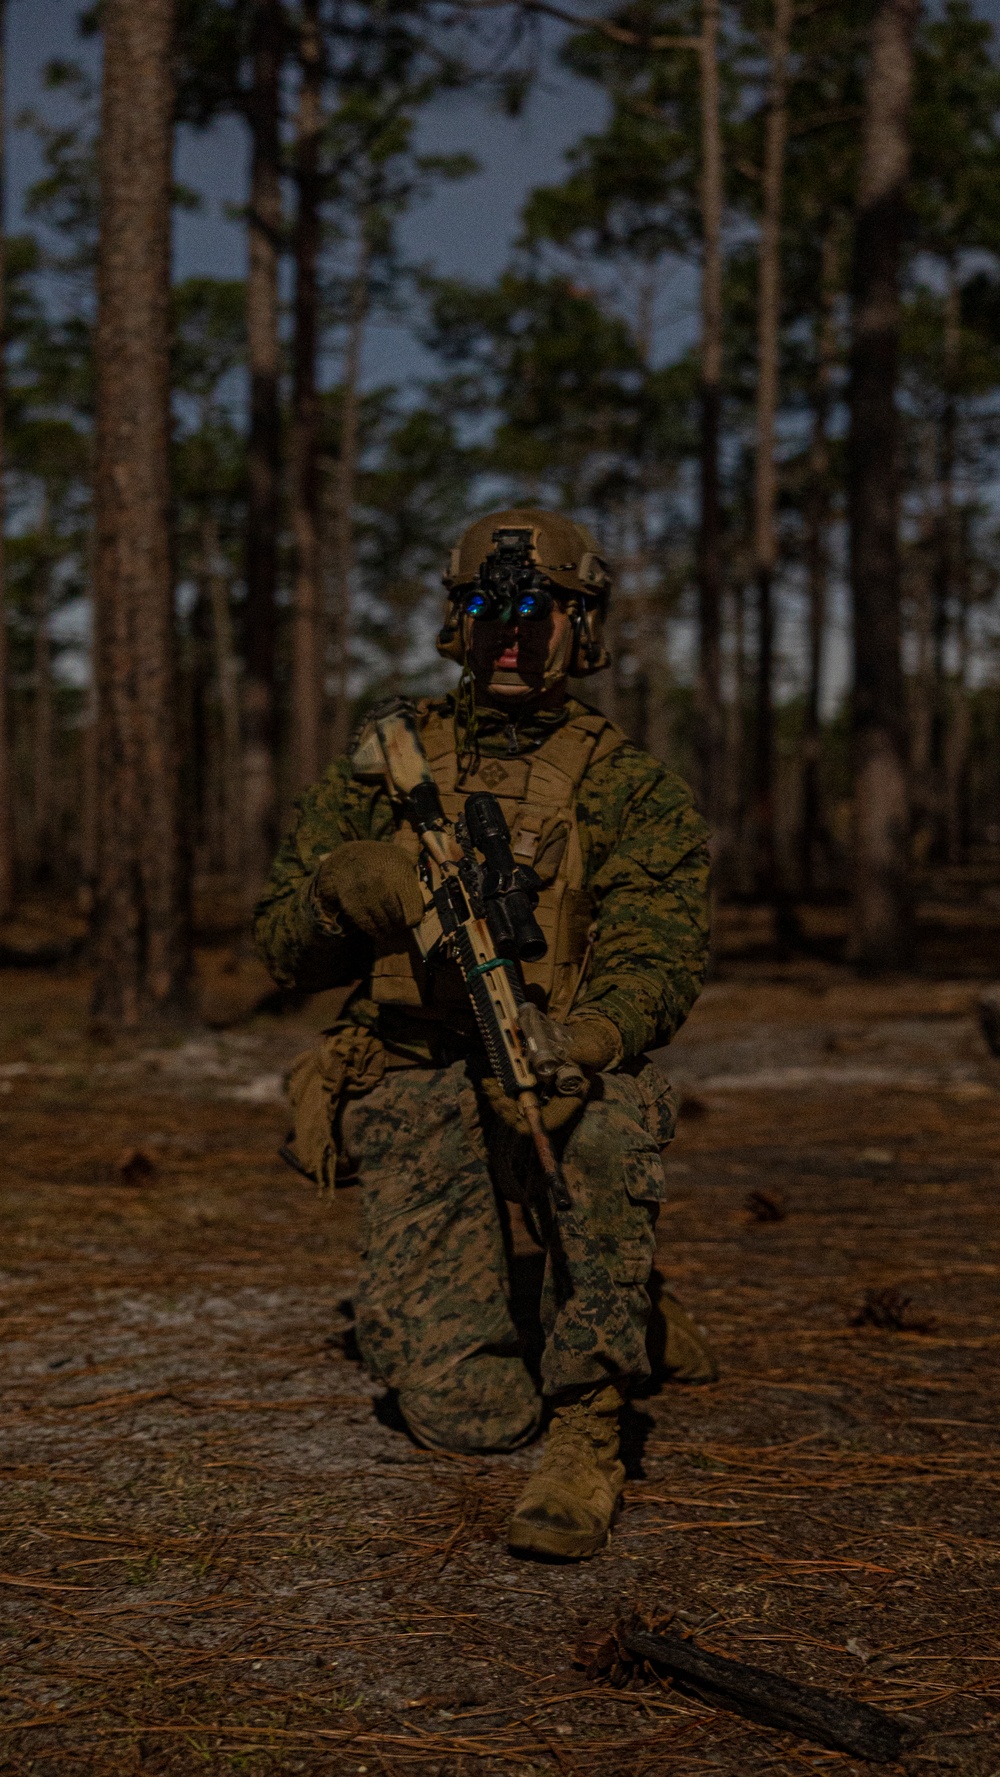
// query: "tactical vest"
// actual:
[[537, 793]]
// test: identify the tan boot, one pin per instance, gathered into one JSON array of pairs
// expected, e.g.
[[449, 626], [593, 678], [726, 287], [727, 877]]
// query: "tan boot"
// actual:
[[567, 1507], [688, 1356]]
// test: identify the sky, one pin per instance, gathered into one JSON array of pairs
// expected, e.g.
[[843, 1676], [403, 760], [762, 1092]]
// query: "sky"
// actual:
[[466, 229]]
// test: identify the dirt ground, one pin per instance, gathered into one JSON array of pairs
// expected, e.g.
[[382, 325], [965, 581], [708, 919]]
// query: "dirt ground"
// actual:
[[220, 1553]]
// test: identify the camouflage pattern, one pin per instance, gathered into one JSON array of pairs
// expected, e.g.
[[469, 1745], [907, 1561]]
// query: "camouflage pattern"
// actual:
[[433, 1314], [434, 1164], [645, 866]]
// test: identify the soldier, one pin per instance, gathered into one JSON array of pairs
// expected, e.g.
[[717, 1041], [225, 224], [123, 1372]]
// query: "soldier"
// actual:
[[399, 1092]]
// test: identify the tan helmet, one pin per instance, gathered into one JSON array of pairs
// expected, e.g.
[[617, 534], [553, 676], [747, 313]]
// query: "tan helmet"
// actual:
[[560, 550]]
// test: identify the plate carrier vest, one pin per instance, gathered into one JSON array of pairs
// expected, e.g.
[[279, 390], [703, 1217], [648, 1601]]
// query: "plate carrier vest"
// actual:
[[537, 793]]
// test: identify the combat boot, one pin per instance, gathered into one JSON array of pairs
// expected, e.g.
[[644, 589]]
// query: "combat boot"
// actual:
[[687, 1356], [567, 1507]]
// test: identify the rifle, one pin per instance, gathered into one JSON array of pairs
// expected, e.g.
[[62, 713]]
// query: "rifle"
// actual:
[[480, 912]]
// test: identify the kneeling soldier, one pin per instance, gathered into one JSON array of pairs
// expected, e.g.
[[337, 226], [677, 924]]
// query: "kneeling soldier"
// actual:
[[400, 1094]]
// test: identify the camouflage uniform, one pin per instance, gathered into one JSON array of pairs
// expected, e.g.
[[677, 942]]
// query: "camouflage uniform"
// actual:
[[433, 1164]]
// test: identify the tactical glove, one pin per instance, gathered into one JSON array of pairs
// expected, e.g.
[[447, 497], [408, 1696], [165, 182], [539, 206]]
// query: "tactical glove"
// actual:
[[564, 1057], [593, 1042], [373, 884], [555, 1111]]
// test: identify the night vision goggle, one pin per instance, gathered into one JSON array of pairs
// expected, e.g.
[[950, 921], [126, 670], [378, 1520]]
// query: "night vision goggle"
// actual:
[[510, 589]]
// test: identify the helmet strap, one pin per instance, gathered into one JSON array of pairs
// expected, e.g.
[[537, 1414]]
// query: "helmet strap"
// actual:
[[465, 720]]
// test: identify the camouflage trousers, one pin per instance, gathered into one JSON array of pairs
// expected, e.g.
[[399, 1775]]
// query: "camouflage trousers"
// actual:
[[434, 1312]]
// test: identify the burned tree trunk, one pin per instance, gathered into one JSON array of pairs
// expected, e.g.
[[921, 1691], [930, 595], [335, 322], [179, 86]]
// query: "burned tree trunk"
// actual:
[[882, 934], [139, 935], [308, 627], [264, 452]]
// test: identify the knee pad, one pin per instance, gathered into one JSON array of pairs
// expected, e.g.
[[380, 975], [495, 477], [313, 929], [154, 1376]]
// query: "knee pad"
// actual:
[[486, 1403]]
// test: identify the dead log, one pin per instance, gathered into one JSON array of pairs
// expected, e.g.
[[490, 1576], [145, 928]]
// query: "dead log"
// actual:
[[763, 1697]]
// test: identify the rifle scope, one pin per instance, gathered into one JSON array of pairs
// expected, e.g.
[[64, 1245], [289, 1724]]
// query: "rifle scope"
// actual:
[[509, 893]]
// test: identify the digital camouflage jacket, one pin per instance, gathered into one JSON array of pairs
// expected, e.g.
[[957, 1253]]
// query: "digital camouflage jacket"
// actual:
[[645, 857]]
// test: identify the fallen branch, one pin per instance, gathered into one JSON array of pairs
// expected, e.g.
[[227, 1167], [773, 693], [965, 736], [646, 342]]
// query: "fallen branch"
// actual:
[[763, 1697]]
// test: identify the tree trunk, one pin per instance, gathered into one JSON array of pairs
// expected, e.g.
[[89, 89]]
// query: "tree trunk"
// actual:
[[765, 474], [308, 627], [196, 731], [920, 694], [344, 482], [260, 810], [946, 566], [957, 745], [6, 772], [708, 691], [140, 932], [882, 921], [738, 874], [43, 713], [89, 803], [817, 555], [226, 673]]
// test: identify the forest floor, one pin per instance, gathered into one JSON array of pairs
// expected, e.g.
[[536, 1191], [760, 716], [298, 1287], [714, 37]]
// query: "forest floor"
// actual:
[[220, 1553]]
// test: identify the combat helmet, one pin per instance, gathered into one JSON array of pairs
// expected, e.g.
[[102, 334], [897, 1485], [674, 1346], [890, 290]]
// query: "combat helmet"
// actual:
[[507, 561]]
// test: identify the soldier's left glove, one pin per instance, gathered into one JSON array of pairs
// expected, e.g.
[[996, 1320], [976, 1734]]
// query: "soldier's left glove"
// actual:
[[374, 884]]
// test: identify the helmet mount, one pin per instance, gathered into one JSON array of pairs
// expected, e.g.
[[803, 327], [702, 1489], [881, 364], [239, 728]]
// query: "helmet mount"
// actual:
[[513, 567]]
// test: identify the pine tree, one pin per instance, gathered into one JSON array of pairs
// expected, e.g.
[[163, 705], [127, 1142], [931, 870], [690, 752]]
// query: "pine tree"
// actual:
[[882, 936], [6, 772], [139, 936], [264, 227]]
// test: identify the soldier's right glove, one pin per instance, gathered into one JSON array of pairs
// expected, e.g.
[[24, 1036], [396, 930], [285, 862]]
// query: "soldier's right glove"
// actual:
[[555, 1111], [565, 1057], [373, 884]]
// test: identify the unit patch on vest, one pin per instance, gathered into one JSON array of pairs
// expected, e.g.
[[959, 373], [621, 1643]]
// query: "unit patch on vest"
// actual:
[[492, 773]]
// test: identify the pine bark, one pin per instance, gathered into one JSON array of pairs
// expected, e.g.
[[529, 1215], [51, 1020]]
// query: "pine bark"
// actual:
[[765, 541], [709, 719], [946, 578], [736, 773], [140, 946], [6, 771], [308, 626], [225, 670], [43, 715], [882, 920], [264, 453], [958, 742], [817, 556], [344, 483]]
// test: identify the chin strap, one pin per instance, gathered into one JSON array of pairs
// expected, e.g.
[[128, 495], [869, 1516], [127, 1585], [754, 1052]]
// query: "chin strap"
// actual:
[[465, 719]]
